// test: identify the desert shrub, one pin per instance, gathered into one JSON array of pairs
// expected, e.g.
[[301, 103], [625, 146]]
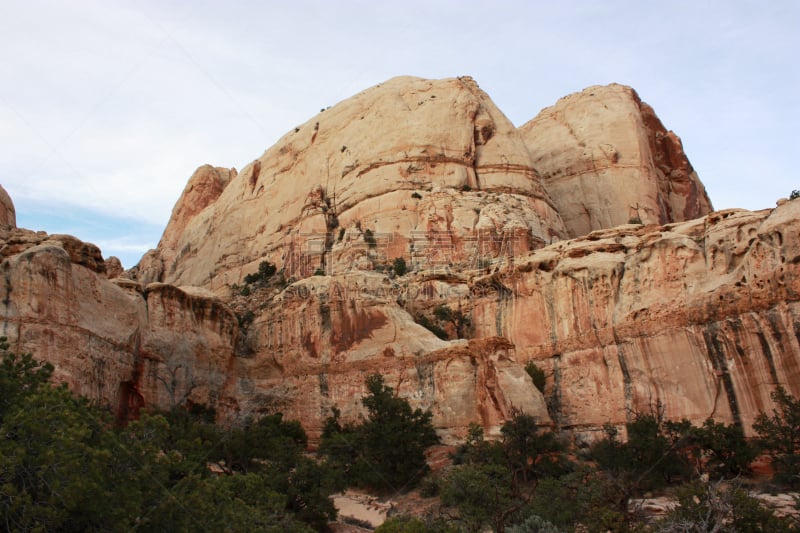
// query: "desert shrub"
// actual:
[[369, 238], [265, 271], [63, 462], [459, 320], [531, 454], [434, 328], [399, 266], [413, 524], [492, 481], [584, 499], [725, 450], [245, 319], [649, 459], [430, 486], [482, 494], [387, 450], [534, 524], [779, 434], [477, 450], [719, 506], [795, 194], [536, 374]]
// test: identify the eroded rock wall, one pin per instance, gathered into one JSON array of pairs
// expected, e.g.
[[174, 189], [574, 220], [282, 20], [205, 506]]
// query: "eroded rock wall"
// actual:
[[702, 316], [692, 309], [313, 347], [410, 164], [111, 341], [606, 159]]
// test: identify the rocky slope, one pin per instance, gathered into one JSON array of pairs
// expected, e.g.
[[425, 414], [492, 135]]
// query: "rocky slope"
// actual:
[[513, 241]]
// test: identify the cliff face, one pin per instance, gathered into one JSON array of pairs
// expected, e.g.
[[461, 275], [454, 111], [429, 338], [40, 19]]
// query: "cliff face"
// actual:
[[701, 316], [410, 164], [605, 158], [111, 340], [515, 240]]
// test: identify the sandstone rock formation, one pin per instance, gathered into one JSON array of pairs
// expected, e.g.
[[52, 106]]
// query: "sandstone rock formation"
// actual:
[[112, 341], [410, 164], [8, 215], [606, 159], [702, 316], [696, 310]]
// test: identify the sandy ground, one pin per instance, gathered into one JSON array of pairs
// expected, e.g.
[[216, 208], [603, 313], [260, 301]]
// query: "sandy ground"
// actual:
[[362, 507]]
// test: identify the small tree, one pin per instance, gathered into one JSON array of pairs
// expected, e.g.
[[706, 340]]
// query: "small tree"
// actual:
[[650, 458], [265, 271], [530, 454], [493, 481], [387, 451], [726, 451], [369, 238], [711, 507], [20, 375], [780, 434], [536, 374], [482, 494], [458, 319], [399, 266]]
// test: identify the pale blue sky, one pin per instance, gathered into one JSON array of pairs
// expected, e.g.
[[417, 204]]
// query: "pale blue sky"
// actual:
[[107, 107]]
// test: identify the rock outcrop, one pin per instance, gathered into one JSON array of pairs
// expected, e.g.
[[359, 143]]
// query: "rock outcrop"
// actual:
[[8, 215], [693, 309], [112, 341], [410, 164], [701, 316], [606, 159]]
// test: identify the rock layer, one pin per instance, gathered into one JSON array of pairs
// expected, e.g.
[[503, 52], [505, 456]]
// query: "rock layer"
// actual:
[[702, 316], [606, 159], [696, 310], [409, 164], [111, 341]]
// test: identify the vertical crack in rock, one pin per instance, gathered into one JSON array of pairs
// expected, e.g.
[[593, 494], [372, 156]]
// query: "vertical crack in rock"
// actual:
[[130, 399], [324, 390], [6, 296], [716, 353], [627, 382], [554, 400], [767, 352]]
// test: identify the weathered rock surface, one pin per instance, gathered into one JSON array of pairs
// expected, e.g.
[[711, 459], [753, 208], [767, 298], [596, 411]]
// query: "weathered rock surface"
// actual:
[[410, 163], [702, 316], [112, 341], [314, 345], [8, 215], [697, 311], [605, 158]]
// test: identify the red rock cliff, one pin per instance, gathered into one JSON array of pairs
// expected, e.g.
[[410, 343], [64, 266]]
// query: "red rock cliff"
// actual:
[[694, 309]]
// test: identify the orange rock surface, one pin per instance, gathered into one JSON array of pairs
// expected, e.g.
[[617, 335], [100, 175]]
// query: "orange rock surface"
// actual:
[[515, 239]]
